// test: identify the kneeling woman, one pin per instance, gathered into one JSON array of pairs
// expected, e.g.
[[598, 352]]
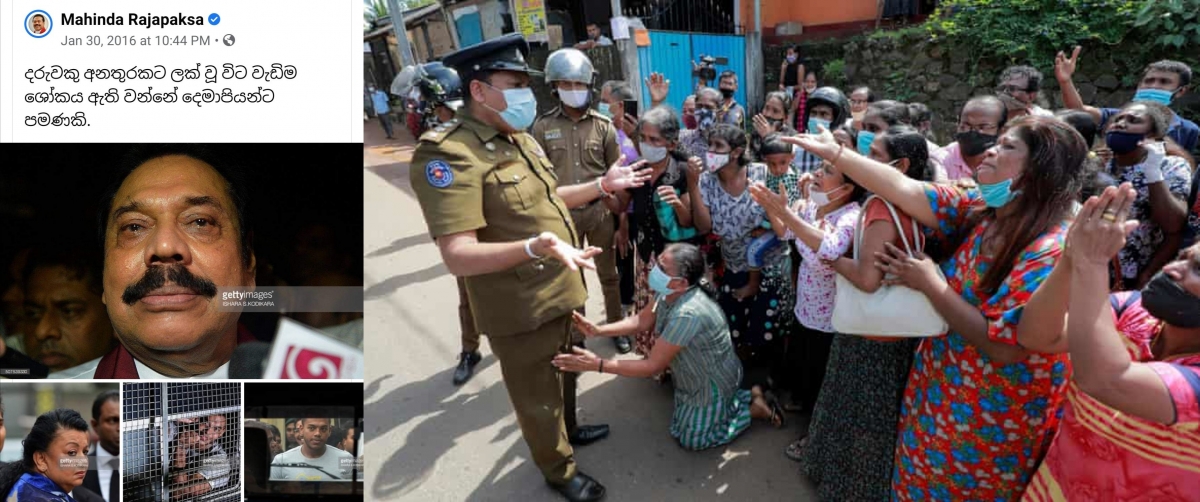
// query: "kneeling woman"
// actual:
[[54, 461], [710, 408]]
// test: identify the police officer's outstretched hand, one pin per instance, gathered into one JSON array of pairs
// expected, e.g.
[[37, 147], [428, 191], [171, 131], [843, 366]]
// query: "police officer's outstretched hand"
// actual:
[[549, 244], [622, 177]]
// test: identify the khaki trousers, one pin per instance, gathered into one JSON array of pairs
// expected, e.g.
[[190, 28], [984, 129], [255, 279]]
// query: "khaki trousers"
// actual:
[[537, 392]]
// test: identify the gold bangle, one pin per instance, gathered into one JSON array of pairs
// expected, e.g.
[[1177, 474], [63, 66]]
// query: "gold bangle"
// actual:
[[601, 370], [838, 157]]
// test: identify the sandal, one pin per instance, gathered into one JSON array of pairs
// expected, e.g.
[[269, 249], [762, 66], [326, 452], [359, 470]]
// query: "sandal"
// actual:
[[777, 416], [795, 451]]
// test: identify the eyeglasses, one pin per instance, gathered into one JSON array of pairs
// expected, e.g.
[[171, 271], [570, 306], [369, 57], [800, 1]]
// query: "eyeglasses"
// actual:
[[962, 127], [1009, 89]]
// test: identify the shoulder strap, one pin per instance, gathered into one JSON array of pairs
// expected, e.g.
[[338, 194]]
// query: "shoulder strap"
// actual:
[[862, 218], [1120, 306]]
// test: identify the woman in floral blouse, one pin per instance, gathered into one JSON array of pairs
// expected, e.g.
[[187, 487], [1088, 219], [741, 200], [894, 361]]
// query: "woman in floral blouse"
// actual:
[[979, 410], [823, 227]]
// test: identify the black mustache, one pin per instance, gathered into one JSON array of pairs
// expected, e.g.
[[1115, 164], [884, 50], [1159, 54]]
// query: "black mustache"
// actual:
[[156, 277]]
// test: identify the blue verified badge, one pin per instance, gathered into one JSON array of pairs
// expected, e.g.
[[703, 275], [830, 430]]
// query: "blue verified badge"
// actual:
[[439, 174]]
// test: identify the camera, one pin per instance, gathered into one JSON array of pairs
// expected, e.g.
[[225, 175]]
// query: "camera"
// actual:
[[706, 70]]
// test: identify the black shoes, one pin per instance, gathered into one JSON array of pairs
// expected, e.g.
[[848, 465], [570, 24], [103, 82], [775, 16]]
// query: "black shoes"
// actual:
[[466, 367], [581, 488], [587, 434], [623, 345]]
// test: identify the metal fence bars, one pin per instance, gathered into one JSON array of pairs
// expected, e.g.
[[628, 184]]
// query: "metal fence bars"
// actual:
[[181, 441]]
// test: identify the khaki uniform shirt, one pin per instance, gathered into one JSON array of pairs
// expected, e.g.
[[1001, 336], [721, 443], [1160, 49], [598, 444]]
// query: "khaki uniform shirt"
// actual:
[[470, 177], [580, 151]]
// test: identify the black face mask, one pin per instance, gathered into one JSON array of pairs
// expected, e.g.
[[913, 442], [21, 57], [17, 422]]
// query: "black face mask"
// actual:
[[1166, 299], [973, 143], [728, 93]]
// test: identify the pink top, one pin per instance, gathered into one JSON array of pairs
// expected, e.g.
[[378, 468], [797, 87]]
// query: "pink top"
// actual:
[[816, 286], [1103, 454], [953, 163]]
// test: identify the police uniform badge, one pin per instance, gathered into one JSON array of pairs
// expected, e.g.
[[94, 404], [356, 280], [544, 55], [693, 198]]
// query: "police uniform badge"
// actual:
[[438, 174]]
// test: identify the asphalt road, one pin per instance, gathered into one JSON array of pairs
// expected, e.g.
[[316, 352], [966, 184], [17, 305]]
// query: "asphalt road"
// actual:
[[430, 441]]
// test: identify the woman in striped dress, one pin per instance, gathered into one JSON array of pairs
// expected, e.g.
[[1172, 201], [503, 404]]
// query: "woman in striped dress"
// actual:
[[1131, 422], [710, 408]]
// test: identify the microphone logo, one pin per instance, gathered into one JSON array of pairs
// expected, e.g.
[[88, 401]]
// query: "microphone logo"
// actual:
[[308, 364]]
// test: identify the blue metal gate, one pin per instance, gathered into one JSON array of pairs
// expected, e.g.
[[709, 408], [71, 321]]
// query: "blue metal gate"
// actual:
[[671, 53]]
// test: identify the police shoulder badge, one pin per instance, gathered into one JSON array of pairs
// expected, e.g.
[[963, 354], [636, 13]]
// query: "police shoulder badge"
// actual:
[[439, 174]]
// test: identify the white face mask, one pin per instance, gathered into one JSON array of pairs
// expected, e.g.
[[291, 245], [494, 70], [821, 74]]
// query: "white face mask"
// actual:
[[574, 99], [653, 154], [716, 161], [821, 199]]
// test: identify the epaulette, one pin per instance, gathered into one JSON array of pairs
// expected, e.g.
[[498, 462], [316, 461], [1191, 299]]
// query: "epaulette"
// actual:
[[441, 132]]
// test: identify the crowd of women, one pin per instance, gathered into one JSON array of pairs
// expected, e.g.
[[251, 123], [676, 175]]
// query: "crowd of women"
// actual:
[[1053, 250]]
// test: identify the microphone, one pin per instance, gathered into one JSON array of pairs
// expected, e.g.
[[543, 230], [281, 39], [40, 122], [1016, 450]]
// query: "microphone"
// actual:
[[301, 352], [249, 360]]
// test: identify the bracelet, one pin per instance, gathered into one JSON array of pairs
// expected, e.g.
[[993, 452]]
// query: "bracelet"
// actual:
[[601, 370], [838, 157], [600, 187], [529, 251]]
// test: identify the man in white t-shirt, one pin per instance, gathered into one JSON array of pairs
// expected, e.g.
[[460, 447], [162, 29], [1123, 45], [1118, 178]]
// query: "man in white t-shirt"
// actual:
[[313, 460]]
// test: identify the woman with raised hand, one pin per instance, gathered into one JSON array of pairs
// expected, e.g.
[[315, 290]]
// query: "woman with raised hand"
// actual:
[[1131, 422], [852, 436], [979, 410]]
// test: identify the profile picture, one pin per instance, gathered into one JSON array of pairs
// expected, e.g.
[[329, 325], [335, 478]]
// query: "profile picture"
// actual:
[[38, 23]]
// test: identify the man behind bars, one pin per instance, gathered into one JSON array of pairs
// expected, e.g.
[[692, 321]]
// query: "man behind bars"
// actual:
[[199, 464]]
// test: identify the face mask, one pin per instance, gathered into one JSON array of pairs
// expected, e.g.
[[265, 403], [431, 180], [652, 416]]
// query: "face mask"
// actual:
[[689, 121], [705, 118], [716, 160], [791, 59], [603, 109], [659, 281], [996, 195], [973, 143], [865, 138], [728, 93], [1167, 300], [574, 99], [821, 199], [858, 116], [651, 153], [520, 108], [813, 122], [1156, 95], [810, 89], [1122, 142]]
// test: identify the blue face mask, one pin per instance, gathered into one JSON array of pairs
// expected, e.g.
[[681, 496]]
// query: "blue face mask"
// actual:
[[813, 122], [603, 109], [521, 107], [996, 195], [658, 281], [1156, 95], [865, 138]]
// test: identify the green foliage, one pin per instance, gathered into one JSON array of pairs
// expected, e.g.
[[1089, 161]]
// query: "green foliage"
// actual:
[[1170, 23], [1030, 31], [898, 86], [377, 10], [834, 73]]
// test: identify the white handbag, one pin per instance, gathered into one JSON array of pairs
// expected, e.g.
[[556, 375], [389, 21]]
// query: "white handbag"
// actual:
[[891, 311]]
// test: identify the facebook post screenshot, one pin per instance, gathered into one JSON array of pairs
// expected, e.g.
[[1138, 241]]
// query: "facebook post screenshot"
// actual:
[[220, 71]]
